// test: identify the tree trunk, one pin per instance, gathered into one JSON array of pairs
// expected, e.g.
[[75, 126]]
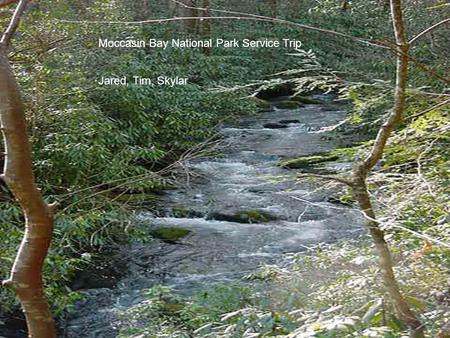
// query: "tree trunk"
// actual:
[[345, 5], [362, 170], [26, 273]]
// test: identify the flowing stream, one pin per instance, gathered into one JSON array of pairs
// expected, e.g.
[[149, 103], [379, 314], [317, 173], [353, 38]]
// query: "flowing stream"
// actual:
[[219, 248]]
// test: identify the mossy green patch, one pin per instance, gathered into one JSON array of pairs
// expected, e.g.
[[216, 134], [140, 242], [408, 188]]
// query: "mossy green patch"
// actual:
[[305, 100], [253, 216], [262, 104], [180, 212], [247, 216], [288, 104], [306, 161], [170, 234], [346, 154]]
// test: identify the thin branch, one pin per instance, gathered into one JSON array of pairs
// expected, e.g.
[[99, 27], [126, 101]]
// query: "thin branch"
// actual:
[[329, 207], [421, 235], [14, 23], [329, 178], [428, 110], [428, 70], [428, 30], [419, 168]]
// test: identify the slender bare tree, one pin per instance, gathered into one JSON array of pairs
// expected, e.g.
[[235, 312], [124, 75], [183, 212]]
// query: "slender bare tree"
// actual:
[[363, 168], [26, 273]]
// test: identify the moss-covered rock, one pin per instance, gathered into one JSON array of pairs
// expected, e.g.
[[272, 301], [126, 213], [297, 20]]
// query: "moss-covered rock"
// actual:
[[262, 104], [346, 200], [254, 216], [172, 308], [183, 212], [288, 104], [305, 99], [248, 216], [170, 234], [306, 161], [278, 90]]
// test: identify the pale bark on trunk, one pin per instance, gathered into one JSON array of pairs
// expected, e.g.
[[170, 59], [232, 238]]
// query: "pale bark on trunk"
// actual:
[[363, 168], [26, 273]]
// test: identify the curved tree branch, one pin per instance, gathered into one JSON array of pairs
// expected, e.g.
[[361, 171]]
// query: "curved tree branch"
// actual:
[[363, 168], [428, 30], [14, 23], [26, 274]]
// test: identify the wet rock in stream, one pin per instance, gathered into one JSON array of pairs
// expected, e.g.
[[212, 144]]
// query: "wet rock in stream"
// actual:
[[274, 125], [289, 121], [170, 234], [249, 216]]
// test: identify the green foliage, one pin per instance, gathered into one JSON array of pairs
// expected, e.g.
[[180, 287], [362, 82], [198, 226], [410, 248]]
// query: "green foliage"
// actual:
[[306, 161], [79, 239], [166, 314]]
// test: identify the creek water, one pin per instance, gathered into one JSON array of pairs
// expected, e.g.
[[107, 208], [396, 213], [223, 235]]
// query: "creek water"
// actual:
[[245, 177]]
